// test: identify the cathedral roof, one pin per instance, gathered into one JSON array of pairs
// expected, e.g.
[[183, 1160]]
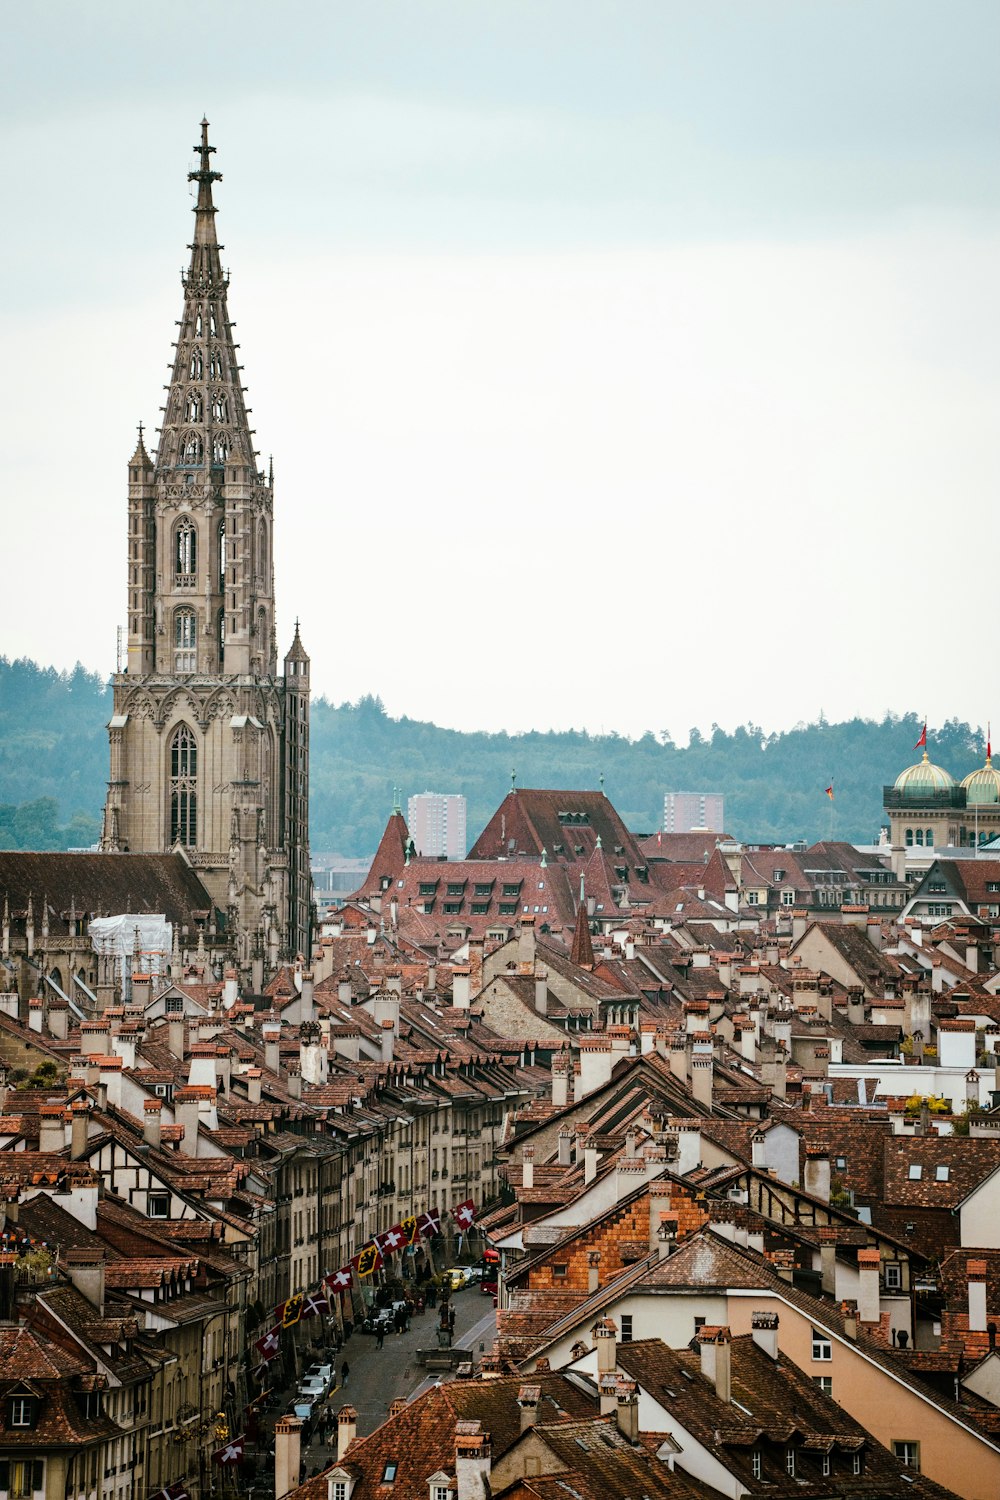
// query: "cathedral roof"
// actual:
[[90, 884]]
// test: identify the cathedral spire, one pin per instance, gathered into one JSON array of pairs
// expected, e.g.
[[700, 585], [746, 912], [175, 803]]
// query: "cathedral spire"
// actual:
[[204, 227]]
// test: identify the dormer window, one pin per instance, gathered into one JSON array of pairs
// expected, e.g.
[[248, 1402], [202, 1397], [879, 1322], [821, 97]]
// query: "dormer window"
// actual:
[[389, 1472], [22, 1411]]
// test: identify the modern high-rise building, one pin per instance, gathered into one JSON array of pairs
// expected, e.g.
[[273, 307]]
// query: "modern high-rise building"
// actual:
[[436, 822], [683, 812], [209, 740]]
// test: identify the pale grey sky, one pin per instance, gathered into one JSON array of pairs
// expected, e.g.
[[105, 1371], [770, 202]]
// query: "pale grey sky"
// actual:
[[624, 365]]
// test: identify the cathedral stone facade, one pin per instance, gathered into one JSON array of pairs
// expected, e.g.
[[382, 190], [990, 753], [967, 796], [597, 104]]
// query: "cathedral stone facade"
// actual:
[[209, 741]]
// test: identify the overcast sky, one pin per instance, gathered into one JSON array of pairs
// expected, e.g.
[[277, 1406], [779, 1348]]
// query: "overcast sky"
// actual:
[[625, 365]]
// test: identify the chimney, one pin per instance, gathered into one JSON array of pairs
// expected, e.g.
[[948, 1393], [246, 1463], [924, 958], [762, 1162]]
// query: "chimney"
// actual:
[[565, 1147], [758, 1151], [271, 1036], [972, 955], [593, 1270], [388, 1039], [142, 987], [764, 1332], [528, 1167], [151, 1112], [293, 1082], [716, 1361], [828, 1259], [86, 1272], [230, 989], [660, 1203], [975, 1271], [817, 1173], [347, 1430], [701, 1078], [560, 1080], [526, 941], [855, 1005], [186, 1115], [58, 1019], [461, 986], [590, 1157], [596, 1061], [51, 1127], [606, 1336], [869, 1262], [628, 1410], [541, 989], [666, 1235], [78, 1132], [344, 989], [175, 1035], [473, 1461], [688, 1149], [527, 1399], [875, 931], [253, 1077], [287, 1455], [607, 1390]]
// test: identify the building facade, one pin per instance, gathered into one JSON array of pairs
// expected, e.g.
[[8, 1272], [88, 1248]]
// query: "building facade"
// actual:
[[683, 812], [209, 740], [437, 825]]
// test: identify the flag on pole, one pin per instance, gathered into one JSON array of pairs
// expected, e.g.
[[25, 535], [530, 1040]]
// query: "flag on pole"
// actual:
[[464, 1214], [232, 1453], [367, 1261], [340, 1281], [922, 742], [314, 1304], [292, 1311], [829, 791], [176, 1491], [989, 747], [268, 1346], [429, 1224]]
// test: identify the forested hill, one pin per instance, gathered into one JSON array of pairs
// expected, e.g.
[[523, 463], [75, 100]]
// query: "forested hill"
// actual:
[[53, 767]]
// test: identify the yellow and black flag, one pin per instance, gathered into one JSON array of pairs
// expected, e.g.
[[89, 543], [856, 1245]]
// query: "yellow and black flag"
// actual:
[[292, 1312], [409, 1228], [367, 1261]]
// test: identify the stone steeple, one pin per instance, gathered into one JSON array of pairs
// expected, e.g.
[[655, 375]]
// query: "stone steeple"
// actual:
[[202, 752]]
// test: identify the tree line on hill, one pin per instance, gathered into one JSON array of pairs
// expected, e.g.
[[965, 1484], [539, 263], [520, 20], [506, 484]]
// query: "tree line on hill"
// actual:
[[54, 756]]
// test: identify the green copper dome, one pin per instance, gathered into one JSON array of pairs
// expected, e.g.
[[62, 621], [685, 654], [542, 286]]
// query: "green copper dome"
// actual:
[[924, 777], [982, 786]]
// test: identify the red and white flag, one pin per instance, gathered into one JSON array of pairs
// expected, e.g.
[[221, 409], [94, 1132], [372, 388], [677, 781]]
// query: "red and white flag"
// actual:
[[922, 742], [340, 1281], [464, 1214], [314, 1304], [268, 1346], [428, 1224], [232, 1453], [176, 1491], [388, 1243]]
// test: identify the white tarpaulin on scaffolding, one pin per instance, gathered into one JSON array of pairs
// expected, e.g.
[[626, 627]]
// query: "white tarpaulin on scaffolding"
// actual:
[[117, 935]]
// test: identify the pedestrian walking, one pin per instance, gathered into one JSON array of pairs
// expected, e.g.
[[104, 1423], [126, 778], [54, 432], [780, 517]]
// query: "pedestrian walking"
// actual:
[[345, 1371], [380, 1336]]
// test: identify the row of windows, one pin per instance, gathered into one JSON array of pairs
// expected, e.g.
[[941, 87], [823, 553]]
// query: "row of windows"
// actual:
[[921, 837], [186, 552]]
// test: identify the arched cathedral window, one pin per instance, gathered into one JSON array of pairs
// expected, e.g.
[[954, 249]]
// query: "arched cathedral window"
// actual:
[[185, 641], [192, 412], [220, 408], [215, 364], [199, 324], [222, 637], [220, 450], [261, 561], [186, 554], [222, 554], [197, 365], [213, 322], [183, 787], [193, 449]]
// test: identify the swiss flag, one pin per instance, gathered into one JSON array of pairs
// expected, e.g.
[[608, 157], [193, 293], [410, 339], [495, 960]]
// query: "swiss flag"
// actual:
[[268, 1346], [428, 1224], [314, 1305], [922, 742], [464, 1214], [232, 1453], [340, 1281], [391, 1241]]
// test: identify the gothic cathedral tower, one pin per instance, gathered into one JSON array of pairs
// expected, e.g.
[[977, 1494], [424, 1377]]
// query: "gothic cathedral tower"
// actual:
[[209, 743]]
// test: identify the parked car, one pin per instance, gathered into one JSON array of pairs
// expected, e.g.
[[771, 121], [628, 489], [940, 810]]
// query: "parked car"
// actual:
[[320, 1372], [459, 1276], [313, 1390]]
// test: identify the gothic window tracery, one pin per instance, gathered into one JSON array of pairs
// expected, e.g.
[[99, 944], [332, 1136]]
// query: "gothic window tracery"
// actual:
[[215, 365], [220, 450], [213, 325], [220, 408], [192, 449], [222, 554], [197, 364], [186, 552], [192, 411], [261, 562], [183, 787], [222, 636], [199, 324], [185, 641]]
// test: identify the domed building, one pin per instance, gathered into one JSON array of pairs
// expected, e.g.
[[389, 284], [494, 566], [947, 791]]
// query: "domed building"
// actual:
[[928, 809]]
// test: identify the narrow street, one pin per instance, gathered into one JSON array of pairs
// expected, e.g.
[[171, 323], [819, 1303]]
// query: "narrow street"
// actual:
[[378, 1376]]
